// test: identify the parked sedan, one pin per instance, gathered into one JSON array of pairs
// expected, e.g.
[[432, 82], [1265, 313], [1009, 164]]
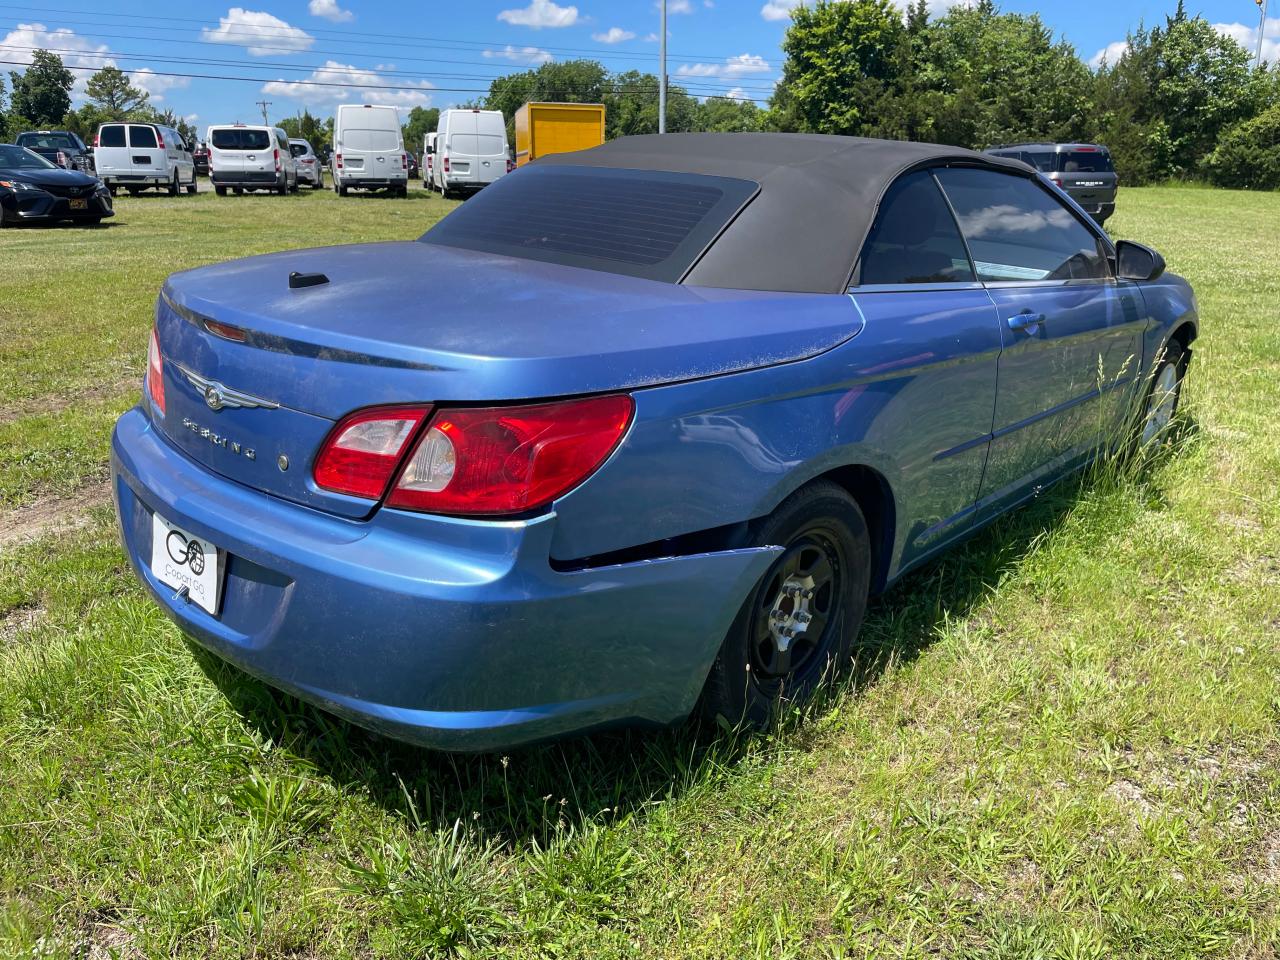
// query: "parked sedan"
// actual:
[[310, 169], [526, 477], [33, 190]]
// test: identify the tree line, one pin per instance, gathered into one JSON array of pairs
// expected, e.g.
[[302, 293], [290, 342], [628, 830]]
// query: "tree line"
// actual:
[[1181, 101]]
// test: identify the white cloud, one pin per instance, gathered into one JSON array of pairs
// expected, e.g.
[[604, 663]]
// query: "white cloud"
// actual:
[[541, 13], [408, 93], [1247, 37], [147, 79], [530, 55], [737, 93], [613, 35], [651, 38], [740, 66], [19, 44], [329, 10], [779, 9], [678, 6], [1111, 53], [261, 34]]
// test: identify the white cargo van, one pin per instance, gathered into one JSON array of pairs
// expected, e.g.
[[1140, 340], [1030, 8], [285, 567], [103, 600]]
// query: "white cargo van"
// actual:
[[250, 157], [141, 155], [471, 150], [428, 159], [368, 150]]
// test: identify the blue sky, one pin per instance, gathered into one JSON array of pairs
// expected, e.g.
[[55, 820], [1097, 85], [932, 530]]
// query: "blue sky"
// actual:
[[437, 54]]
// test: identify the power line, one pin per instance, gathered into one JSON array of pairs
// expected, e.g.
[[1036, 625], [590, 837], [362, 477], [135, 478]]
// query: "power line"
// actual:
[[383, 39], [323, 83]]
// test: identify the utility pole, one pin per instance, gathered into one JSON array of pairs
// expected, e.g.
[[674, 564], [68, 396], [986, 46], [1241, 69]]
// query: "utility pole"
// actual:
[[662, 72], [264, 104], [1262, 29]]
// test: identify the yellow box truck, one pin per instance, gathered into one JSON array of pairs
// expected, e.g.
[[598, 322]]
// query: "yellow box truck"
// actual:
[[543, 128]]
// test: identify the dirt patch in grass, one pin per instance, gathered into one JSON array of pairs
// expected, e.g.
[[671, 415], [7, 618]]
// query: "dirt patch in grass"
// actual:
[[43, 406], [19, 620], [52, 516]]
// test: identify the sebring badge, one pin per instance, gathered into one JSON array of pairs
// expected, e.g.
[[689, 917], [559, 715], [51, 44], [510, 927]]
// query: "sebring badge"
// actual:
[[218, 440], [218, 396]]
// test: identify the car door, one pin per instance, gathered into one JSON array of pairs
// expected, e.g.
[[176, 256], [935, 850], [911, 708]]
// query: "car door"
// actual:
[[1071, 333], [932, 341], [146, 156]]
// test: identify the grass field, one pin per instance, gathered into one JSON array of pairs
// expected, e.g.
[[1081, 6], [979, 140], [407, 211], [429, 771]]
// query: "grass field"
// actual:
[[1060, 742]]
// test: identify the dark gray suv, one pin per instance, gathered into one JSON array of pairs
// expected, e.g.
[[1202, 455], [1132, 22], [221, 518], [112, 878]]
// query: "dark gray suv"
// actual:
[[1083, 170]]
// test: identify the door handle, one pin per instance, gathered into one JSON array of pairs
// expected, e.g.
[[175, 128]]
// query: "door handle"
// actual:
[[1025, 321]]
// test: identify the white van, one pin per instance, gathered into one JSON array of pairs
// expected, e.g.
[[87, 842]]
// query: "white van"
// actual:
[[250, 157], [141, 155], [428, 159], [471, 150], [368, 150]]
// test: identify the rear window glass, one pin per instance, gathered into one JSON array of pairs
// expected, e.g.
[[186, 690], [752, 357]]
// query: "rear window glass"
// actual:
[[476, 145], [46, 141], [298, 149], [143, 137], [1043, 160], [237, 139], [370, 140], [111, 136], [641, 223], [1085, 161]]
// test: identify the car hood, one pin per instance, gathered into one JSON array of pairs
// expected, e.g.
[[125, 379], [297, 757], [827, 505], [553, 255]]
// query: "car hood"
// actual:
[[50, 178], [408, 321]]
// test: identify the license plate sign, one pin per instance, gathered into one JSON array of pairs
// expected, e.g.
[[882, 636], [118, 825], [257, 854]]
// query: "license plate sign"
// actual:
[[79, 204], [182, 560]]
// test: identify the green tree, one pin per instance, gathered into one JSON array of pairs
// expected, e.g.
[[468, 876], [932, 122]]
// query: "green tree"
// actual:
[[1248, 155], [111, 92], [422, 120], [570, 81], [306, 126], [631, 106], [842, 60], [726, 115], [42, 94]]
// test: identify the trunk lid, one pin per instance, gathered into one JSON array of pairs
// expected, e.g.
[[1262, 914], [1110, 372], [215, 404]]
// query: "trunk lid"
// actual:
[[414, 322]]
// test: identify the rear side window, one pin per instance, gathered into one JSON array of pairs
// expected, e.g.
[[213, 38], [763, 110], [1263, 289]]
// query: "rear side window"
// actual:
[[1046, 161], [1017, 230], [111, 135], [298, 149], [370, 140], [237, 139], [1086, 161], [641, 223], [142, 137], [914, 238]]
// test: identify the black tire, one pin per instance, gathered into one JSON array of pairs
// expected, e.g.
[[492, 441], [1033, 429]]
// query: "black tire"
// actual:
[[191, 187], [134, 191], [239, 191], [1162, 396], [342, 191], [282, 187], [175, 185], [219, 190], [827, 552]]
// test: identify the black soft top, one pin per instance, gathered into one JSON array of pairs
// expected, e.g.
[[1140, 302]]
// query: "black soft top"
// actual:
[[817, 200]]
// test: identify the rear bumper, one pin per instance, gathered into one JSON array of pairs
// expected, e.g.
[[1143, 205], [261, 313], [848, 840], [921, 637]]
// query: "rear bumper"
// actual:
[[136, 179], [244, 178], [449, 633], [357, 182]]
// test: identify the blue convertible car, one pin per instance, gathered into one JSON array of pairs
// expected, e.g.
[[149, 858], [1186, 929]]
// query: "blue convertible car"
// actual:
[[635, 429]]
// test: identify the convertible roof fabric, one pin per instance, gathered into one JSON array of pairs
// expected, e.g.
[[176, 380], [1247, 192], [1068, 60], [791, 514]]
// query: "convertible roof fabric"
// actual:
[[818, 197]]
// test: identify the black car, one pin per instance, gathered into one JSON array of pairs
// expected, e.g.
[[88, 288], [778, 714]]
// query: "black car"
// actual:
[[200, 157], [33, 190], [413, 165], [60, 147]]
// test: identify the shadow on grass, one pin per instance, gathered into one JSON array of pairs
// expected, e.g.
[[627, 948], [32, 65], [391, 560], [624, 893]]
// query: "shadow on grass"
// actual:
[[534, 792]]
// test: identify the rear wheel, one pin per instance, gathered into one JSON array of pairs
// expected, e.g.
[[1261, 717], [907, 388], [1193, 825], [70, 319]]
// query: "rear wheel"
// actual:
[[191, 187], [220, 191], [174, 185], [798, 623]]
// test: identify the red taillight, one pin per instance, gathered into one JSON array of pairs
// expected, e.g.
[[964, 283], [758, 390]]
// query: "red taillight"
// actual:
[[404, 161], [159, 140], [500, 460], [97, 139], [276, 153], [511, 164], [446, 164], [337, 157], [362, 452], [155, 373]]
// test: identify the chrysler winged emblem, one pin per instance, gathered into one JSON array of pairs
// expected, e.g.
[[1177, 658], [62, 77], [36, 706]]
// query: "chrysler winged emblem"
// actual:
[[218, 396]]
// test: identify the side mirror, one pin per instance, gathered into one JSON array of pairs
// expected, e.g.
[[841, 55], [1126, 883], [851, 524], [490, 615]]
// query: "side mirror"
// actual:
[[1136, 261]]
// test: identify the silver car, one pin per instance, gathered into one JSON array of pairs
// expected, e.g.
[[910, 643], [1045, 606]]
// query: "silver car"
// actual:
[[310, 169], [1083, 170]]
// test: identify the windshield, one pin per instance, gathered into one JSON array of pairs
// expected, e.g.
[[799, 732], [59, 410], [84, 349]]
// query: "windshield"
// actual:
[[19, 158], [642, 223], [46, 141]]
